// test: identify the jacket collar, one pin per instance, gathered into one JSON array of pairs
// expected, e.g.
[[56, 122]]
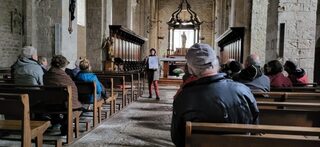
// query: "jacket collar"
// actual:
[[207, 80]]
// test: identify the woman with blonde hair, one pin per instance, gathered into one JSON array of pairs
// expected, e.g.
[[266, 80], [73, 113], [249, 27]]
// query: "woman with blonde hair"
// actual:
[[86, 75]]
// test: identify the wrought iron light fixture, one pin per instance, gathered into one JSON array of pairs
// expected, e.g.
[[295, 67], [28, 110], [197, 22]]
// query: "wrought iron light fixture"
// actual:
[[177, 22]]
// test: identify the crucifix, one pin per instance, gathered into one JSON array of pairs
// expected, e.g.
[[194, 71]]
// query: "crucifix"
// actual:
[[72, 7]]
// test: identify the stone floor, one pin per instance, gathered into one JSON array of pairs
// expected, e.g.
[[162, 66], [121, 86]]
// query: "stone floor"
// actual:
[[144, 123]]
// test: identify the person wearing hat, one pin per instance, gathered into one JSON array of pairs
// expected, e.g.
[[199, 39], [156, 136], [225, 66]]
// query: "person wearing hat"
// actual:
[[26, 70], [297, 75], [56, 76], [153, 72], [210, 98], [252, 76]]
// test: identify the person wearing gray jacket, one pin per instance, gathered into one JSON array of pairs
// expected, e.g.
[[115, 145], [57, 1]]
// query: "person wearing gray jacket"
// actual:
[[26, 70]]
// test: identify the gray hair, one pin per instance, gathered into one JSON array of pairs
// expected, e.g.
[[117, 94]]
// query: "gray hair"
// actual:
[[28, 51], [253, 59]]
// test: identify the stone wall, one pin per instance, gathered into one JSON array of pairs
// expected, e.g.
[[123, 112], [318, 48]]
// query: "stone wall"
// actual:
[[120, 12], [299, 17], [204, 9], [10, 41], [46, 15], [259, 28], [272, 31], [94, 33]]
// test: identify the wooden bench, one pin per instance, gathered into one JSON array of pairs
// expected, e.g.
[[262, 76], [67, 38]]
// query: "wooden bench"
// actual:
[[129, 81], [119, 86], [47, 100], [290, 114], [288, 96], [210, 134], [15, 107], [295, 89], [89, 88]]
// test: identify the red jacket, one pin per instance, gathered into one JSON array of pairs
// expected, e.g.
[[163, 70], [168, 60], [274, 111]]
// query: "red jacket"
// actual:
[[279, 80]]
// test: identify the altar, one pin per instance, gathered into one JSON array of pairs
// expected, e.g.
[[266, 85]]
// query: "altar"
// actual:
[[173, 67]]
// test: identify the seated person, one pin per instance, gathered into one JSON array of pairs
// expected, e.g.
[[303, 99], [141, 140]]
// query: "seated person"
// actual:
[[74, 72], [297, 75], [210, 98], [26, 70], [273, 70], [232, 68], [56, 76], [86, 76], [252, 76], [44, 63]]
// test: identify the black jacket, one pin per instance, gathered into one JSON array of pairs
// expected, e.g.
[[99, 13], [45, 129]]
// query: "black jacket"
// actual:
[[212, 99]]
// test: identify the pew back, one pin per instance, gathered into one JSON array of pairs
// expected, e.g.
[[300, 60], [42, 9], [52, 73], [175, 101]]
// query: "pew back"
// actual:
[[209, 134]]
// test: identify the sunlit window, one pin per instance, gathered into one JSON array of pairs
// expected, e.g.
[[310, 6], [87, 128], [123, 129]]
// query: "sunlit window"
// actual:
[[189, 36]]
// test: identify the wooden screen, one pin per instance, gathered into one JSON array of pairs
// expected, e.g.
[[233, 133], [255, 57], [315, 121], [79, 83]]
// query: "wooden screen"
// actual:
[[231, 44]]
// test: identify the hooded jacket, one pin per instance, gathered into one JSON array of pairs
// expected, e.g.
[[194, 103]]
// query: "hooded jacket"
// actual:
[[27, 72], [212, 99], [299, 77], [253, 77], [91, 77], [57, 77]]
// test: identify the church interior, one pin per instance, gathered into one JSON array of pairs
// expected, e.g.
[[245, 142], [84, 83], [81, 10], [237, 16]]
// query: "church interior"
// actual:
[[129, 76]]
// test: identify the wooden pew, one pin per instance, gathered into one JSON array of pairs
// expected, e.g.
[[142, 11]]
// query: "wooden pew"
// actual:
[[291, 113], [119, 86], [89, 88], [18, 119], [129, 81], [41, 98], [210, 134], [295, 89], [288, 96]]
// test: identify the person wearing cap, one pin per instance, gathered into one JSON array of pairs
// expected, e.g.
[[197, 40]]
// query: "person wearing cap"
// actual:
[[210, 98], [85, 75], [153, 72], [252, 76], [56, 76], [297, 75], [26, 70]]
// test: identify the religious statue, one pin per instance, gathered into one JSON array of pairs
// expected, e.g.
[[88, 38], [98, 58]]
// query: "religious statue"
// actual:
[[16, 22], [107, 45], [183, 40]]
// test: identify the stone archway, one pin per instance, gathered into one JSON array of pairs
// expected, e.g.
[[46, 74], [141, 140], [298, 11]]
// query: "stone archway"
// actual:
[[317, 62]]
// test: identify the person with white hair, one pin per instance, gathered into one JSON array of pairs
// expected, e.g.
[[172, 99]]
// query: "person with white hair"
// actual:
[[211, 97], [26, 70]]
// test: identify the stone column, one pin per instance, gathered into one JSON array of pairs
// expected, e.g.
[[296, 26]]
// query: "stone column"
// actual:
[[69, 41], [108, 5], [272, 31], [259, 28], [95, 32]]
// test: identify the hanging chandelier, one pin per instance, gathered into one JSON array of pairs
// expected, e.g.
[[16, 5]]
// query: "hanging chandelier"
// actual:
[[177, 22]]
